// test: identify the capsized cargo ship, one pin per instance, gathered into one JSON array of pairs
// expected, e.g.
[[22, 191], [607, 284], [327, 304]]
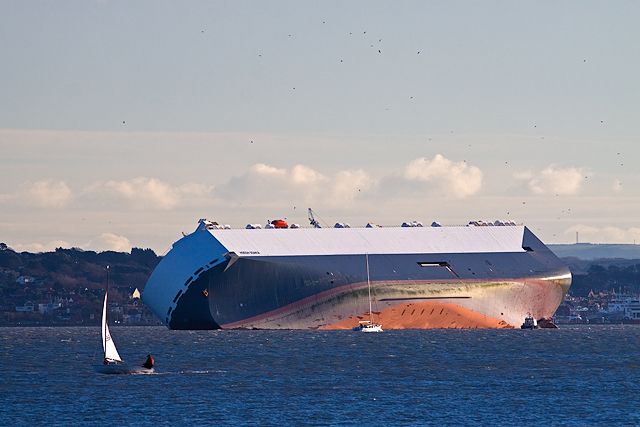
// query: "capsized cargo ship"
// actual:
[[315, 278]]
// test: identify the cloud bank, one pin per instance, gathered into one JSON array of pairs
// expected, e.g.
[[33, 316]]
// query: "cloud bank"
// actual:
[[554, 180], [47, 193], [145, 192], [268, 185], [456, 179]]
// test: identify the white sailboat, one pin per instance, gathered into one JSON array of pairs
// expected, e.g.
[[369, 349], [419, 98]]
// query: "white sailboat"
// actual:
[[368, 325], [111, 355], [112, 362]]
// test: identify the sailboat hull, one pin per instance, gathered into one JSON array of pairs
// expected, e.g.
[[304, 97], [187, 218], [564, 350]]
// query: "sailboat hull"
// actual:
[[368, 328], [122, 369]]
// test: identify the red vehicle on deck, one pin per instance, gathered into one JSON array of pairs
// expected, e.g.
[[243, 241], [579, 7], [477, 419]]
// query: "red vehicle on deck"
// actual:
[[279, 223]]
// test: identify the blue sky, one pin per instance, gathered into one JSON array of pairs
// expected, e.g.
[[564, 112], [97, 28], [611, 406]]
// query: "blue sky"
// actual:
[[122, 123]]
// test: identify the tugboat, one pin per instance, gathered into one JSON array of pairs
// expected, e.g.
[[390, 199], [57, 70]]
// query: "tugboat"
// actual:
[[529, 323]]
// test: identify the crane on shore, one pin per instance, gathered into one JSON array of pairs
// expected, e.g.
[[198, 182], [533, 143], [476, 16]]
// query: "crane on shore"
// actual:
[[312, 220]]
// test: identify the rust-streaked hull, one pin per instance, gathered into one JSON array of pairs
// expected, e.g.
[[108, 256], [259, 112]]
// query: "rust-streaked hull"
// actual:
[[422, 305], [201, 284]]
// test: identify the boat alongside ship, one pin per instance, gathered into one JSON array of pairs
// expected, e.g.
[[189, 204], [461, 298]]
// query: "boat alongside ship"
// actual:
[[368, 325], [281, 277]]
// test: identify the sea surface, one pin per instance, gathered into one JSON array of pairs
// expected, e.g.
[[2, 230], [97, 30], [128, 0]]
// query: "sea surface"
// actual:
[[576, 375]]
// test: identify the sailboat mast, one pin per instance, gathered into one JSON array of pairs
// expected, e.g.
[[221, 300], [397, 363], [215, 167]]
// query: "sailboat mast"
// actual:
[[104, 322], [366, 257]]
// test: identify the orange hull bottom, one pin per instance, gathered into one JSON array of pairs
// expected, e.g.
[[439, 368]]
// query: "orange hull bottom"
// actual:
[[425, 315]]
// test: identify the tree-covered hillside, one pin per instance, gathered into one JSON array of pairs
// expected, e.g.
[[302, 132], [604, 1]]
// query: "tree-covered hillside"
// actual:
[[619, 275], [71, 282]]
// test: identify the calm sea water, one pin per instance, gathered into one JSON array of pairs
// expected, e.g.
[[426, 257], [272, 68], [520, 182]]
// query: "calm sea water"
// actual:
[[571, 376]]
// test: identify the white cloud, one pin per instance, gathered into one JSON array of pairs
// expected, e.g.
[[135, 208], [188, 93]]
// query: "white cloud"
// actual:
[[299, 174], [41, 247], [104, 242], [268, 185], [262, 169], [457, 179], [145, 192], [554, 180], [110, 242], [347, 185], [47, 193], [260, 183], [304, 175]]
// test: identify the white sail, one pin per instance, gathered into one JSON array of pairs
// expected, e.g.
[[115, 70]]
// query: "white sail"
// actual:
[[110, 351]]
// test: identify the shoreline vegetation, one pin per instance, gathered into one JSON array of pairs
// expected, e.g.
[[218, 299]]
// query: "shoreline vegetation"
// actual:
[[65, 287]]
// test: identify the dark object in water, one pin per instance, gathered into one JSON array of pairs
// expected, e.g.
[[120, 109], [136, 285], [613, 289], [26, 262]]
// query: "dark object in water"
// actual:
[[546, 324], [148, 364]]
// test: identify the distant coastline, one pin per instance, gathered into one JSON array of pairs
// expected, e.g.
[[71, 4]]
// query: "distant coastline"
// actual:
[[65, 287], [593, 251]]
